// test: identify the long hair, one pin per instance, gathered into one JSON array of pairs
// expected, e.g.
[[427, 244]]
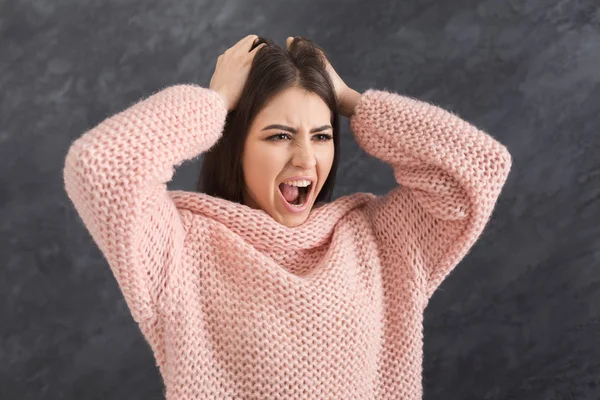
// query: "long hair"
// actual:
[[273, 71]]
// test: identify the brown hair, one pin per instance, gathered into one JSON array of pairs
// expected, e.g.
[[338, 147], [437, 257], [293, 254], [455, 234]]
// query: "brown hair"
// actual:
[[273, 70]]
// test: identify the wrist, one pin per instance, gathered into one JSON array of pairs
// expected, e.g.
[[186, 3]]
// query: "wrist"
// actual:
[[348, 102], [224, 98]]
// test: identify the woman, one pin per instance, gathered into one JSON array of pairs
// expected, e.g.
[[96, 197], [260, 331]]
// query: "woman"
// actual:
[[239, 292]]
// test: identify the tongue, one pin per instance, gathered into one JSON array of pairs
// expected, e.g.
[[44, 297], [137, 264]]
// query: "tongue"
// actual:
[[290, 193]]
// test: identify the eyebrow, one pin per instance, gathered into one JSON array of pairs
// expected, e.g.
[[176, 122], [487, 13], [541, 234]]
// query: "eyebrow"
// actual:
[[290, 129]]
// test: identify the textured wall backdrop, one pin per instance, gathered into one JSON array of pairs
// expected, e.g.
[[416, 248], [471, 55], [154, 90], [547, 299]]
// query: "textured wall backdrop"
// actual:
[[519, 318]]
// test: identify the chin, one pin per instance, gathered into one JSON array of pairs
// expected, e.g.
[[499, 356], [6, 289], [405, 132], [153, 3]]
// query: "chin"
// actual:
[[291, 220], [293, 224]]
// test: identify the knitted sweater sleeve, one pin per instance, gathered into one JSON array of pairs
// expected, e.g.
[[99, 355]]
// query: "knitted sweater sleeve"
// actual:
[[116, 174], [449, 176]]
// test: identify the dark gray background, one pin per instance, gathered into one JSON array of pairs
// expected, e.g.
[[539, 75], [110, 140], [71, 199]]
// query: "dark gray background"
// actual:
[[519, 318]]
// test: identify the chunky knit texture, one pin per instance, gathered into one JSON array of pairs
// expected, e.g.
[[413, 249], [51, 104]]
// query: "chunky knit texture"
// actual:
[[237, 306]]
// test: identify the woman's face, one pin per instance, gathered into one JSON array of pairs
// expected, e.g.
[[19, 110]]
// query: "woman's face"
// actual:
[[273, 155]]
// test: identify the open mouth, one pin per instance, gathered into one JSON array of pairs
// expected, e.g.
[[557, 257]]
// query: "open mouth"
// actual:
[[303, 194]]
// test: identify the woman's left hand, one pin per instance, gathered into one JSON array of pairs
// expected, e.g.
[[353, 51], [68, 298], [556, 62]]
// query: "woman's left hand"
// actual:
[[340, 87]]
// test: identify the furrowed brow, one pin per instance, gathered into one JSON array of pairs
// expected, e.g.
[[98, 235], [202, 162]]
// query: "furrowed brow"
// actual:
[[293, 130]]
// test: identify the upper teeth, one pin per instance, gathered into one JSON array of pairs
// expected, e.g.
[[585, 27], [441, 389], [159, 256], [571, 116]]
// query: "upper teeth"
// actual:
[[298, 183]]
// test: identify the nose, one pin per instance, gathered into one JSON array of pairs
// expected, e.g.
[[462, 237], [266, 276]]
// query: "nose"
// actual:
[[304, 157]]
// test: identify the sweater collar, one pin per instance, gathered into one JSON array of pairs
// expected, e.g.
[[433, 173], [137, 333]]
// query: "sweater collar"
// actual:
[[260, 230]]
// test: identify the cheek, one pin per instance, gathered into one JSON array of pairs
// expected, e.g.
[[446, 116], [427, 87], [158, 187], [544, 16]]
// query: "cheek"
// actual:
[[325, 159], [261, 170]]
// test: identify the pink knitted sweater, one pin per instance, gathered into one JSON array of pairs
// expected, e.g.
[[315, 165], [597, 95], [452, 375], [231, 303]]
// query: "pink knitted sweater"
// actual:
[[235, 305]]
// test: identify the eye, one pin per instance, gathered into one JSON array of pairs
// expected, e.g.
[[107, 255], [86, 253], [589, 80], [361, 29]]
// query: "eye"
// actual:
[[323, 137], [278, 136]]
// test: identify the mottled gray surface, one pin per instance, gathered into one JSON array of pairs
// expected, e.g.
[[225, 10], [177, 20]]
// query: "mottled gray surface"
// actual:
[[519, 318]]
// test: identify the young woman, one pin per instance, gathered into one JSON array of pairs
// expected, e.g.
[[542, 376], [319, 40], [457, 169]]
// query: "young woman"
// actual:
[[261, 287]]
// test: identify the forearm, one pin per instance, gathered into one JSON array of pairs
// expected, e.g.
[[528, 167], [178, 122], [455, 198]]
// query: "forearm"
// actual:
[[432, 150], [146, 140]]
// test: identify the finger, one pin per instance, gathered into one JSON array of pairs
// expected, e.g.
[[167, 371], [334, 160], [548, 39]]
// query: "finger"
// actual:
[[242, 43], [249, 39], [288, 41], [253, 51], [248, 43]]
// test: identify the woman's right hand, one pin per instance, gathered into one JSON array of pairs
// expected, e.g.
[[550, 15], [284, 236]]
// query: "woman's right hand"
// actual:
[[232, 71]]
